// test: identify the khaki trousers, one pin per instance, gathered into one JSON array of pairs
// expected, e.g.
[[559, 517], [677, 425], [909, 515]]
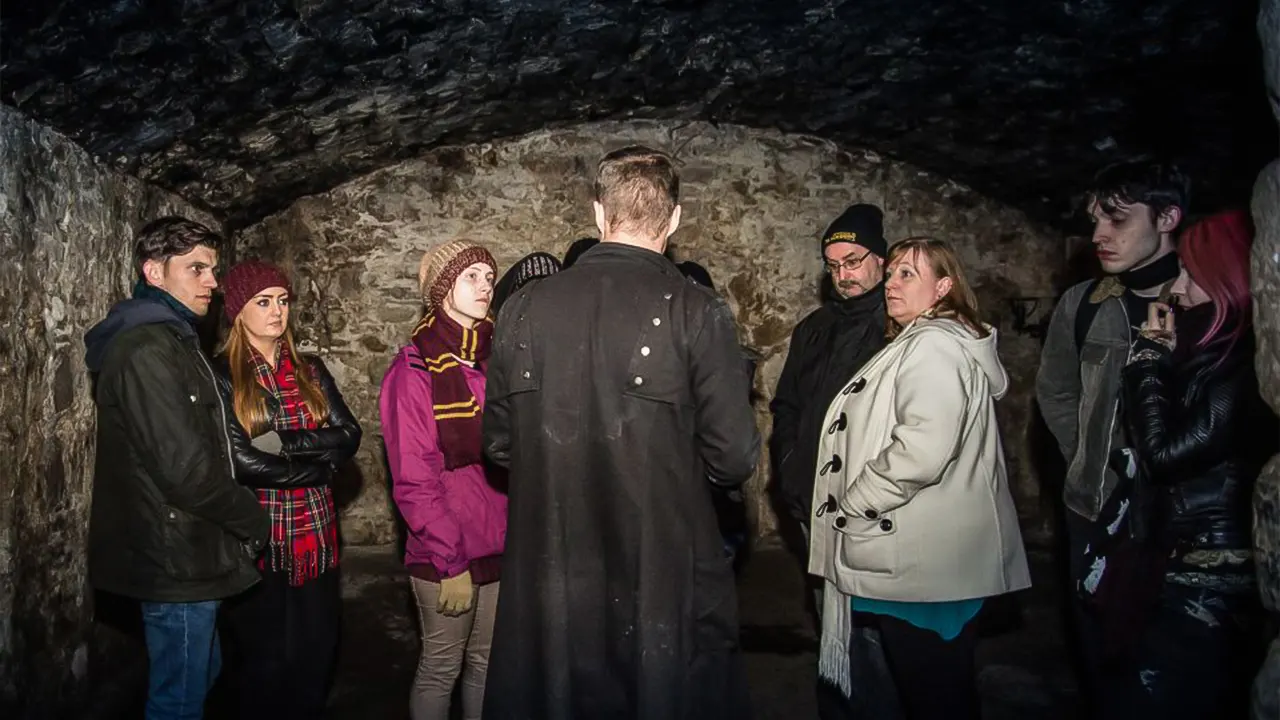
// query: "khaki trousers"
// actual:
[[451, 646]]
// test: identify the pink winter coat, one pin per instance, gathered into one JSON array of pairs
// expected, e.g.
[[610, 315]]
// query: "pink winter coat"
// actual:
[[456, 519]]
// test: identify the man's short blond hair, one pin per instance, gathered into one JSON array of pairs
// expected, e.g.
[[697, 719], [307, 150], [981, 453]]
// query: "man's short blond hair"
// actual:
[[639, 189]]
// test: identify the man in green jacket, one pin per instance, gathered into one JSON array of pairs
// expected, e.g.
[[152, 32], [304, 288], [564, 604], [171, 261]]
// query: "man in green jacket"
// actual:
[[169, 525]]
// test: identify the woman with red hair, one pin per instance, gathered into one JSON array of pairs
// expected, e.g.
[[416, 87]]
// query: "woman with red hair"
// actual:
[[1175, 580]]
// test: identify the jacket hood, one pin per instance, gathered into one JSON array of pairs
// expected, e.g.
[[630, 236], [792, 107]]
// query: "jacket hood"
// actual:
[[982, 350], [126, 315]]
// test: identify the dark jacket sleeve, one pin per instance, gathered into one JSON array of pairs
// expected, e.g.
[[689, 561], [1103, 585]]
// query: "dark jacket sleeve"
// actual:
[[786, 407], [338, 438], [1174, 440], [722, 397], [181, 459], [786, 402], [1058, 378], [258, 469], [497, 406]]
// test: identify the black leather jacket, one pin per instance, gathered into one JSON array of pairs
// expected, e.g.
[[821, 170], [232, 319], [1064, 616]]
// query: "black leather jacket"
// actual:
[[1203, 433], [307, 457]]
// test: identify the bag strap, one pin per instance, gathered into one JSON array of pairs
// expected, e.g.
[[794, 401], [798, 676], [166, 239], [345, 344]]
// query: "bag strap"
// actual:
[[1085, 314]]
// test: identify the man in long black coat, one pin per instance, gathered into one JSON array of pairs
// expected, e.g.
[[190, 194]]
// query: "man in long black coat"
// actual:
[[615, 389]]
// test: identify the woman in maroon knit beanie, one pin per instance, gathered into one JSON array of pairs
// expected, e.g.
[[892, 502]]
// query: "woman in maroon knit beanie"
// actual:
[[289, 429]]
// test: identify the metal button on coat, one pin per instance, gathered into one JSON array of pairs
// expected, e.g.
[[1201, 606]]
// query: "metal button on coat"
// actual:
[[639, 380], [886, 525], [657, 322], [666, 296], [523, 346], [645, 351], [525, 374]]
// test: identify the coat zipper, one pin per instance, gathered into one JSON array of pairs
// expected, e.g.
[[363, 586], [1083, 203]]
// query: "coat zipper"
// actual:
[[226, 437]]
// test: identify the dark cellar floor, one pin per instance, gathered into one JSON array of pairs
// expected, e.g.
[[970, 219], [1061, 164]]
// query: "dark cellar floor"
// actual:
[[1024, 670]]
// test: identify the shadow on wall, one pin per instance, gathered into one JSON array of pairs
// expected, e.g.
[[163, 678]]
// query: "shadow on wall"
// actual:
[[402, 529], [348, 482]]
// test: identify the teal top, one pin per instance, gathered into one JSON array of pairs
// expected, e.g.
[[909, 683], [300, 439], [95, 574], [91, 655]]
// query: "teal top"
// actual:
[[945, 618]]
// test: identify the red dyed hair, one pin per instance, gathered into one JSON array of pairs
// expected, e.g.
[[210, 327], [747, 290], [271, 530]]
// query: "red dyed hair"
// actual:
[[1215, 252]]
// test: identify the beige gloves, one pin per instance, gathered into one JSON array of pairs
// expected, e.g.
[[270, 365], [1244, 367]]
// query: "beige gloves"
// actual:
[[456, 594]]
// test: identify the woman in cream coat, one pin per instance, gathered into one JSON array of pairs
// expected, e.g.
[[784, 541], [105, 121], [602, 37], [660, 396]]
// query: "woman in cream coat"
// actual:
[[914, 524]]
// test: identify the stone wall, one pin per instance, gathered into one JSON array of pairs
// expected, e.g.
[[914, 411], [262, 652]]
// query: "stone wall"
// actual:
[[755, 204], [65, 229], [1266, 316]]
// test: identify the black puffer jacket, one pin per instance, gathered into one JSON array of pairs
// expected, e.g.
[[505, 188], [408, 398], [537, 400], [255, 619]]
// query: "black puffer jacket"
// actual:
[[1203, 433], [168, 521], [307, 457]]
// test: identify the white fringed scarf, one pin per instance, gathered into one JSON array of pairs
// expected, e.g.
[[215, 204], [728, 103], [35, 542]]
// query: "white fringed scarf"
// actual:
[[837, 631]]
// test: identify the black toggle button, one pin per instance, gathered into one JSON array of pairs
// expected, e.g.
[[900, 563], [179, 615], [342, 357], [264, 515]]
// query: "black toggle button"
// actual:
[[833, 465], [841, 521], [886, 525], [828, 506], [857, 386], [871, 514], [840, 424]]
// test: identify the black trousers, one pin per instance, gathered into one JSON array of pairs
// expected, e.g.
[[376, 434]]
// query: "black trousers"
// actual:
[[935, 679], [874, 696], [287, 641]]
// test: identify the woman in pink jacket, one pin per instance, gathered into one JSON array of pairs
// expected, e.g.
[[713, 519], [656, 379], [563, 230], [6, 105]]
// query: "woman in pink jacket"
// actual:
[[431, 403]]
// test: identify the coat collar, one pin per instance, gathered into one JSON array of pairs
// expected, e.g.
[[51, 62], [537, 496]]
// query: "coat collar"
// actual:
[[612, 252]]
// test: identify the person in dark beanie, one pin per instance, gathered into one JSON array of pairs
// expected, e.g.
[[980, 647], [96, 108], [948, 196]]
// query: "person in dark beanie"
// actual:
[[534, 266], [168, 525], [290, 428], [432, 404], [827, 348]]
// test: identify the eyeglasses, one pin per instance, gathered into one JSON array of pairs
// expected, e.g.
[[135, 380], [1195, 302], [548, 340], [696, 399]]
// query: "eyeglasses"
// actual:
[[848, 264]]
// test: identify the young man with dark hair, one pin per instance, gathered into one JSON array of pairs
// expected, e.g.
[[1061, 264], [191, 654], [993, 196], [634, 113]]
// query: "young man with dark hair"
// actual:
[[1136, 207], [615, 390], [169, 525]]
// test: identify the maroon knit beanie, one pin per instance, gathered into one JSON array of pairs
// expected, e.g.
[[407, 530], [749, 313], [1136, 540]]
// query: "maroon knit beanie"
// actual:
[[247, 279]]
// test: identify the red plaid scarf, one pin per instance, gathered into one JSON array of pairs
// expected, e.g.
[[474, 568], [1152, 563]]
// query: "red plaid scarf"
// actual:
[[444, 346], [304, 530]]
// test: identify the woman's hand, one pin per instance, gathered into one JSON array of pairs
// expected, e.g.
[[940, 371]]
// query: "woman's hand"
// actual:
[[1159, 325], [456, 594]]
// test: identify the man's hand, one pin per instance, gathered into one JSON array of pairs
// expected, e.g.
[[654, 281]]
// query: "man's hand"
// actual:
[[456, 594]]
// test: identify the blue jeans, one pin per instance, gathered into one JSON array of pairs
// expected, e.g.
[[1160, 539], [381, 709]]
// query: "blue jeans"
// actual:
[[182, 646]]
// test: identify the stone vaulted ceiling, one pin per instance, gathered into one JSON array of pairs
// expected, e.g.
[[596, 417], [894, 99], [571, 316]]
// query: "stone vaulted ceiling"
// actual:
[[242, 106]]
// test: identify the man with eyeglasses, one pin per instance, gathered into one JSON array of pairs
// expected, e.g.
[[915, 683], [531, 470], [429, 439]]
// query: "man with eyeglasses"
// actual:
[[827, 348]]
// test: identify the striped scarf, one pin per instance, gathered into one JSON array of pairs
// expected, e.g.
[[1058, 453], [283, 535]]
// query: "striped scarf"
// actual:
[[304, 529], [445, 346]]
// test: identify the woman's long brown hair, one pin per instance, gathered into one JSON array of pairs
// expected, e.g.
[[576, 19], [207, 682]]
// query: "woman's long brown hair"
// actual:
[[247, 399], [959, 303]]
